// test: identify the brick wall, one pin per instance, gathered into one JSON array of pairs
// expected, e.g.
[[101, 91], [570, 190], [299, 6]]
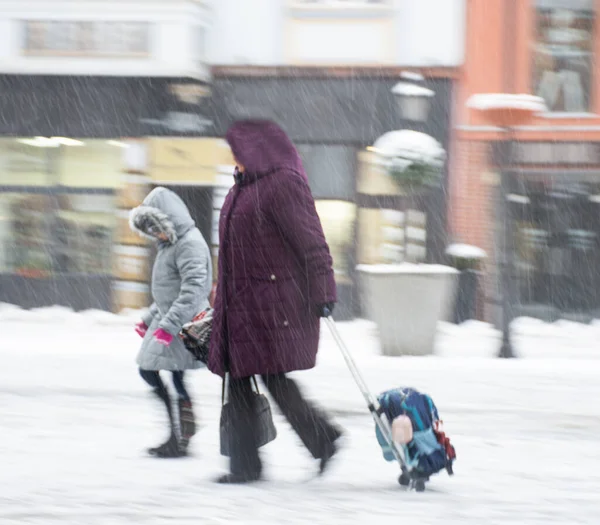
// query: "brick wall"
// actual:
[[467, 210], [472, 209]]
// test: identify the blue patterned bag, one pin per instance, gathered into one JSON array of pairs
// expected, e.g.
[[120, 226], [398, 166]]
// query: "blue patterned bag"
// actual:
[[430, 450]]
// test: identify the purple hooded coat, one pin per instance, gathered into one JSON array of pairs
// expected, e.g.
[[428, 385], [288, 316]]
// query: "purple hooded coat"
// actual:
[[275, 268]]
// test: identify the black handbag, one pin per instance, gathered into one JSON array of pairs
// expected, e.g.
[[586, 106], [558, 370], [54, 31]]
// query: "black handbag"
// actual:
[[265, 428]]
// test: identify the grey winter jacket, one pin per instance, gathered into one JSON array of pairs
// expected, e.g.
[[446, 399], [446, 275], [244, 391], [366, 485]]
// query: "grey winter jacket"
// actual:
[[181, 277]]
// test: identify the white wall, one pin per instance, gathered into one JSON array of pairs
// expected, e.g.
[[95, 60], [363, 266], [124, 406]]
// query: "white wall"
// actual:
[[247, 32], [173, 23], [357, 42], [274, 32], [430, 32]]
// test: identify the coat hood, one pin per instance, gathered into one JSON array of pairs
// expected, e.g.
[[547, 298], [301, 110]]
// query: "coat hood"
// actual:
[[262, 146], [162, 211]]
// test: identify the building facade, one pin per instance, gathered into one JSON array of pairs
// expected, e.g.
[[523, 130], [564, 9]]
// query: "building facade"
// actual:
[[79, 81], [324, 71], [104, 100], [547, 48], [333, 116]]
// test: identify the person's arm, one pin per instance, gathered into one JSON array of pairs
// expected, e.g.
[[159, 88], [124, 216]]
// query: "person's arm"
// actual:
[[192, 263], [293, 211]]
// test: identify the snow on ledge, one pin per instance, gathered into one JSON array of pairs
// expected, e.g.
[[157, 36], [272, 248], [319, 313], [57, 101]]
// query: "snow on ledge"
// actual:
[[487, 101], [411, 75], [411, 90], [465, 251], [405, 268]]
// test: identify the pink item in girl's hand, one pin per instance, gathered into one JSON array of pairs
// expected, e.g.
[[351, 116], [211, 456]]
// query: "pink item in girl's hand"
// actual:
[[141, 329], [163, 337], [402, 431]]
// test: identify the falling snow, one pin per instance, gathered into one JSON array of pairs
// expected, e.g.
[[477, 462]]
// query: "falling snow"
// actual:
[[77, 418]]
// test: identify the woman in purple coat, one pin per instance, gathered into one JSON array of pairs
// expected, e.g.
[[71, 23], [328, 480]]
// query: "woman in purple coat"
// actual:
[[275, 281]]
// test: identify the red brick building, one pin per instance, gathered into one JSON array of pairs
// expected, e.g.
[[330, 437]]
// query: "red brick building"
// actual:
[[548, 48]]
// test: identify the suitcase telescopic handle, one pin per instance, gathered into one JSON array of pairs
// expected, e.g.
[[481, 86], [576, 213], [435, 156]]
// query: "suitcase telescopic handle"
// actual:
[[380, 418], [362, 385]]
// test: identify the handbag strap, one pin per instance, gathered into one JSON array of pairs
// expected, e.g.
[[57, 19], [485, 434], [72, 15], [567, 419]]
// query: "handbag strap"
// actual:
[[225, 386], [225, 380]]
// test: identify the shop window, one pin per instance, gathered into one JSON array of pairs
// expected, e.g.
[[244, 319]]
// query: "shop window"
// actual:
[[557, 244], [83, 231], [25, 234], [55, 233], [330, 170], [563, 54], [57, 205], [338, 219]]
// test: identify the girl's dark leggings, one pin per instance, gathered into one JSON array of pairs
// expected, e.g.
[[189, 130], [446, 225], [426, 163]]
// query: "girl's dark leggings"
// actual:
[[152, 377]]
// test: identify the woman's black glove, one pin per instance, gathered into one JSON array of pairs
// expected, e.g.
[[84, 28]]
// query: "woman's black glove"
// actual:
[[325, 310]]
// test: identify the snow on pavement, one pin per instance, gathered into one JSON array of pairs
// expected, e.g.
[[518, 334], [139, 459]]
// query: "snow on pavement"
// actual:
[[76, 419]]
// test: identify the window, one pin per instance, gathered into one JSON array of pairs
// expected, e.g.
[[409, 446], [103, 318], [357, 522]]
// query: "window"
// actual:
[[82, 230], [24, 234], [338, 219], [557, 244], [563, 57], [57, 205], [330, 170], [331, 175], [44, 232]]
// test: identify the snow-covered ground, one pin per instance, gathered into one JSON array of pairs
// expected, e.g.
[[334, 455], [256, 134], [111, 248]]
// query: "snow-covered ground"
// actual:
[[75, 420]]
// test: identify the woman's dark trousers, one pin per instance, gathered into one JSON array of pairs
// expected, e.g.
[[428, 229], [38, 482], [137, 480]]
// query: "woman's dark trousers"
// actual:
[[313, 428]]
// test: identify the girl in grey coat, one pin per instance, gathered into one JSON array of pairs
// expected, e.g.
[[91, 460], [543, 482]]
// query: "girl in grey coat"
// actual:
[[181, 284]]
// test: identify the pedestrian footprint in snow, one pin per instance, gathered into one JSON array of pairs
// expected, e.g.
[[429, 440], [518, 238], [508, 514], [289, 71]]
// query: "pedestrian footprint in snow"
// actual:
[[275, 282], [181, 284]]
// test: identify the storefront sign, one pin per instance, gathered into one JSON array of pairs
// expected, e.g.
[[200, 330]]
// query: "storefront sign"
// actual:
[[86, 38]]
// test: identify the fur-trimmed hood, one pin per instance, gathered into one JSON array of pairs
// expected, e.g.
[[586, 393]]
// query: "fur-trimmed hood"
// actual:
[[162, 211]]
